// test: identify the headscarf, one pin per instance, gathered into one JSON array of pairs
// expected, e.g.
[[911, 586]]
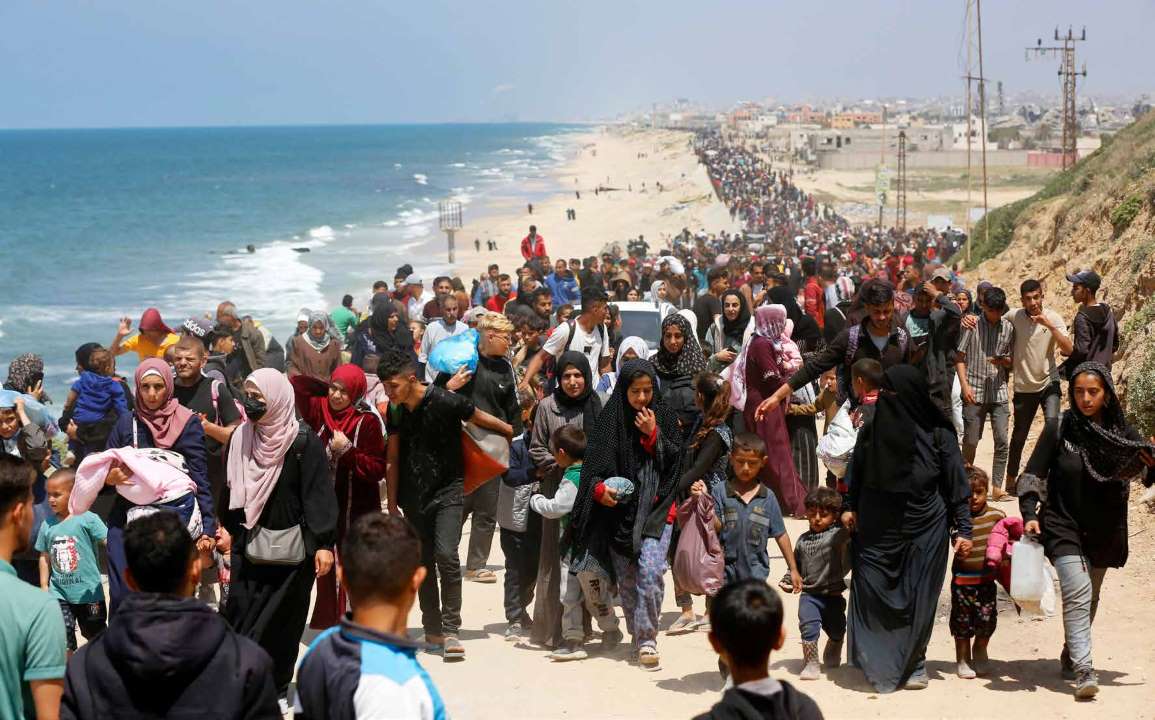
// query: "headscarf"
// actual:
[[737, 326], [612, 448], [318, 316], [689, 361], [1110, 450], [399, 339], [770, 322], [588, 401], [885, 449], [24, 372], [168, 421], [806, 333], [257, 450], [352, 378], [635, 343]]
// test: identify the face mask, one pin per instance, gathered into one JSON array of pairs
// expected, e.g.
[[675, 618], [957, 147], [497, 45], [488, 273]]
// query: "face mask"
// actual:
[[254, 409]]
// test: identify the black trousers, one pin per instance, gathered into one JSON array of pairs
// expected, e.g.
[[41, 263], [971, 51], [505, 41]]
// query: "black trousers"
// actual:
[[521, 550], [439, 527]]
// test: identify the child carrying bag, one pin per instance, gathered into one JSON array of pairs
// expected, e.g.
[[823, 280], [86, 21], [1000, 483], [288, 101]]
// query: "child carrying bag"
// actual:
[[699, 563]]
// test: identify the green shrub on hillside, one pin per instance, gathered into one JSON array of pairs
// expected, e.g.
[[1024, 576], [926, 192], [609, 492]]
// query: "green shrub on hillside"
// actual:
[[1124, 213], [1141, 396]]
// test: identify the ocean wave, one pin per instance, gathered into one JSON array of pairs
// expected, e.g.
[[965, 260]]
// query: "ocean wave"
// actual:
[[410, 218], [322, 232], [421, 179], [457, 165]]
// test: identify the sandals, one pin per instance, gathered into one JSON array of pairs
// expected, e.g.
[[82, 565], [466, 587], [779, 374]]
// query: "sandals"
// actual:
[[683, 625], [480, 576], [649, 658], [452, 649]]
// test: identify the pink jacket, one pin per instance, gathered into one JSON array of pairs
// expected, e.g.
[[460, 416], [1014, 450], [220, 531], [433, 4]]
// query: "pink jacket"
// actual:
[[157, 475], [1000, 546]]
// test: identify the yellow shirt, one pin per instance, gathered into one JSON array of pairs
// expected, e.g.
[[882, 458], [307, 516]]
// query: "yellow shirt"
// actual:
[[145, 348]]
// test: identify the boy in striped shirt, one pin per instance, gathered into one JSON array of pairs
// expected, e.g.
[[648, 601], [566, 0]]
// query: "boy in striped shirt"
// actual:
[[973, 612]]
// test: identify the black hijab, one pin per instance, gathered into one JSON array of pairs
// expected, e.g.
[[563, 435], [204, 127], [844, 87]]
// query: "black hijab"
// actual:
[[613, 446], [399, 339], [1110, 450], [588, 402], [737, 326], [689, 361], [886, 443]]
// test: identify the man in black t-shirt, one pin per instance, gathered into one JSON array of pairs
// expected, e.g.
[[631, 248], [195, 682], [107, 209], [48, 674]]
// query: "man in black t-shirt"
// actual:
[[212, 401], [425, 478]]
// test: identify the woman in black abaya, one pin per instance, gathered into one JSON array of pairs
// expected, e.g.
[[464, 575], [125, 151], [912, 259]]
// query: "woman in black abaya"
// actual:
[[908, 489]]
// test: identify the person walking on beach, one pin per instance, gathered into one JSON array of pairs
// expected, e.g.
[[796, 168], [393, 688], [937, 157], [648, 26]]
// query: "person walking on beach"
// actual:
[[425, 476], [532, 245]]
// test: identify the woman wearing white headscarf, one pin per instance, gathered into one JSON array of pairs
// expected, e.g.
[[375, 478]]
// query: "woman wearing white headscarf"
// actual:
[[632, 348], [279, 491]]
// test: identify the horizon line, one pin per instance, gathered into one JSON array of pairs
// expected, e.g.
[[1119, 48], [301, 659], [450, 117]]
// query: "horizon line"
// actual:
[[238, 126]]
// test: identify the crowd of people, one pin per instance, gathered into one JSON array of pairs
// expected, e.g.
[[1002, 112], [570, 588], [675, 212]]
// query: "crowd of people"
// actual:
[[236, 489]]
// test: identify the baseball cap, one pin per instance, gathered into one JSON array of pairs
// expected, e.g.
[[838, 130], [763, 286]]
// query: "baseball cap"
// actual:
[[1088, 278], [473, 314], [150, 320], [413, 280], [199, 328], [943, 273]]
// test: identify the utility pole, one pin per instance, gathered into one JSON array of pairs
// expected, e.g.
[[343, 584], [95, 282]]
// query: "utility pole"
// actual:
[[900, 198], [974, 77], [1068, 73]]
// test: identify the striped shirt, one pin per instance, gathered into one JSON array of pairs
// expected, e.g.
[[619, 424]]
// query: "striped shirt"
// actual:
[[987, 380], [973, 565]]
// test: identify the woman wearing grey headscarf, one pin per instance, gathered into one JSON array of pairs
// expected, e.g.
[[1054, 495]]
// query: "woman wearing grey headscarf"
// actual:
[[316, 352]]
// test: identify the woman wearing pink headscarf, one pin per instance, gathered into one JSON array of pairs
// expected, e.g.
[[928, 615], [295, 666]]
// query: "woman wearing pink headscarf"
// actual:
[[158, 421], [766, 362], [278, 485]]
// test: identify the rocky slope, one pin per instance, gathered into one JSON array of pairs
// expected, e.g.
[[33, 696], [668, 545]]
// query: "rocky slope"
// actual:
[[1100, 214]]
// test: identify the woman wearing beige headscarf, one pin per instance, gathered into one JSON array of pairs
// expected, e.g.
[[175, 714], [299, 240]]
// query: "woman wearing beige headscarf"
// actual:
[[278, 489]]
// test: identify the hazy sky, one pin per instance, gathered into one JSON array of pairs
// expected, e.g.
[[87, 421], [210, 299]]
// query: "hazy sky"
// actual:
[[87, 63]]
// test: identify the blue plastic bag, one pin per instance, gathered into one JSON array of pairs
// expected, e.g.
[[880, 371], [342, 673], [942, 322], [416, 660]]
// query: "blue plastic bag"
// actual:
[[449, 355], [37, 413]]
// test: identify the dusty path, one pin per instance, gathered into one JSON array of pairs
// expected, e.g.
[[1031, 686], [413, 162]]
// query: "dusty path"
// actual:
[[498, 680]]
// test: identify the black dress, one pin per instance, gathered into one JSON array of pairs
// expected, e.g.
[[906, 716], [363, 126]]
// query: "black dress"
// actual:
[[270, 603], [900, 559]]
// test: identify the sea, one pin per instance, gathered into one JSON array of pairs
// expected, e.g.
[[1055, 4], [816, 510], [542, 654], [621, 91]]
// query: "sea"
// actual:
[[100, 224]]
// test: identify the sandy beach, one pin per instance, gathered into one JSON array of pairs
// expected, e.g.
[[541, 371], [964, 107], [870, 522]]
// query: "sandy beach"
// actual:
[[631, 161]]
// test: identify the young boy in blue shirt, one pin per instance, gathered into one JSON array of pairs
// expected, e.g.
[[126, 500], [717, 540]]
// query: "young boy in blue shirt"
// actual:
[[367, 666], [747, 515]]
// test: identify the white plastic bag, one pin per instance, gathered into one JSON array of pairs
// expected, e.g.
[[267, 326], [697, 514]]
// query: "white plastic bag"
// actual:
[[1029, 580], [837, 445]]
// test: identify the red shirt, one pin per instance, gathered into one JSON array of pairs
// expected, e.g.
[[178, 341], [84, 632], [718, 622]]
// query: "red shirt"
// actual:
[[815, 298], [497, 302]]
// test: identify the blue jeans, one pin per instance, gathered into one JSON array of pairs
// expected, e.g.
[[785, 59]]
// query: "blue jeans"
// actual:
[[825, 612], [1079, 584]]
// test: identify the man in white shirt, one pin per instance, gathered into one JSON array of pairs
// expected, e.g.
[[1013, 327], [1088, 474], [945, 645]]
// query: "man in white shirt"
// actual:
[[417, 298], [587, 335], [1038, 332], [440, 329]]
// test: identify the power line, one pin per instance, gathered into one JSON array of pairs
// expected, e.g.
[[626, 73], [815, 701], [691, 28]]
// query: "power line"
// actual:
[[1068, 73]]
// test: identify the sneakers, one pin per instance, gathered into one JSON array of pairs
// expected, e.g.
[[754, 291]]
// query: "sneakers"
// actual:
[[569, 650], [514, 632], [810, 670], [611, 640], [1086, 685], [917, 681], [965, 671], [1066, 669], [832, 653]]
